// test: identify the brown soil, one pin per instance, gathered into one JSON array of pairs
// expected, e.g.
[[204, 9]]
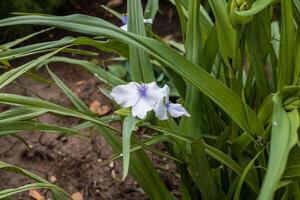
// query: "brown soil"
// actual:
[[74, 164]]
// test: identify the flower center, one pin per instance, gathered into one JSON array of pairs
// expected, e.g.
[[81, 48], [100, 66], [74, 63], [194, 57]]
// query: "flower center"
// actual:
[[143, 90], [168, 104]]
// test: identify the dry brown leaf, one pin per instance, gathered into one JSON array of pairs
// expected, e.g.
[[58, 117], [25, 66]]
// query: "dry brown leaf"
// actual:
[[76, 89], [114, 3], [77, 196], [96, 108], [52, 179], [79, 83], [36, 195]]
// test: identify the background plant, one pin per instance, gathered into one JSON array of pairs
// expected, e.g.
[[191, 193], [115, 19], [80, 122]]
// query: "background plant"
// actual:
[[237, 75]]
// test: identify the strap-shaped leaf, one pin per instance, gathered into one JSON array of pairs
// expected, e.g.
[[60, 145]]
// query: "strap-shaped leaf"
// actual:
[[150, 181], [129, 126], [226, 33], [74, 99], [140, 64], [245, 16], [21, 113], [11, 75], [98, 71], [18, 100], [284, 137], [286, 68], [58, 193]]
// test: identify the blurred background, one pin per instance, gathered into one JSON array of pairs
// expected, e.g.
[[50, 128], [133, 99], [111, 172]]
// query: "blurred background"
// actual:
[[10, 8], [52, 7]]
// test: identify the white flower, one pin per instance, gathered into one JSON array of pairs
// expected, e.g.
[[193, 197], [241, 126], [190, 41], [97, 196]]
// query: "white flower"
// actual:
[[164, 106], [141, 97], [125, 22]]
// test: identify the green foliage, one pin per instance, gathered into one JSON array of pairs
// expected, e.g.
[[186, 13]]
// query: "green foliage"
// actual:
[[237, 72]]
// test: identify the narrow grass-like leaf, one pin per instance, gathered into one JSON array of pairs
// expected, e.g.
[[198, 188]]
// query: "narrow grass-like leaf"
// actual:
[[151, 9], [286, 67], [245, 16], [153, 140], [194, 52], [183, 22], [33, 186], [256, 62], [20, 40], [226, 33], [56, 191], [98, 71], [140, 64], [129, 126], [34, 48], [173, 133], [210, 150], [115, 13], [287, 123], [33, 126], [243, 176], [150, 182], [74, 99], [18, 100], [112, 46], [20, 113], [223, 158], [11, 75], [200, 172]]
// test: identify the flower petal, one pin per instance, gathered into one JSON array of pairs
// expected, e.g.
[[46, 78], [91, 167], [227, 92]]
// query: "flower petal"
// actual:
[[124, 19], [126, 95], [141, 109], [154, 93], [177, 110], [161, 110], [124, 27]]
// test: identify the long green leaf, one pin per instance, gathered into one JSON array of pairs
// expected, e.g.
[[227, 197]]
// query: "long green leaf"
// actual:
[[58, 193], [283, 138], [243, 176], [223, 158], [140, 64], [245, 16], [150, 182], [74, 99], [20, 40], [194, 52], [129, 126], [18, 100], [98, 71], [226, 33], [11, 75], [34, 48], [33, 126], [201, 173], [286, 68], [9, 192], [21, 113], [210, 150]]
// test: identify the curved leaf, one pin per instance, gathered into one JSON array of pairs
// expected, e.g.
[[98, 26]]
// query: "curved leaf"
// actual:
[[18, 100], [129, 126], [58, 193]]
